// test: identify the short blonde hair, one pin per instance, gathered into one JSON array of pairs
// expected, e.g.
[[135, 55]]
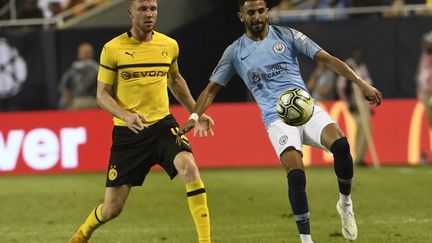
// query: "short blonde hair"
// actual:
[[132, 1]]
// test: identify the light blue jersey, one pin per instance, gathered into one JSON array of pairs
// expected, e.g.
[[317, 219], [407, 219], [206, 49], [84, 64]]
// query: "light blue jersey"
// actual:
[[267, 67]]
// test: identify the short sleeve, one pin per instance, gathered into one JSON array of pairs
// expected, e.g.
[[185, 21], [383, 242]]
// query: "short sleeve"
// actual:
[[224, 70], [108, 66], [304, 45], [174, 63]]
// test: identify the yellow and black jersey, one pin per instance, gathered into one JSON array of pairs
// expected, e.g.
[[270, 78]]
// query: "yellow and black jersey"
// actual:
[[138, 73]]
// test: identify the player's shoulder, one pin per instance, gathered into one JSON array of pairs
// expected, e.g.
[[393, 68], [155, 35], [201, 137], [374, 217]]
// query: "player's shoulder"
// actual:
[[118, 40], [239, 43], [290, 34], [164, 37], [235, 43], [283, 30]]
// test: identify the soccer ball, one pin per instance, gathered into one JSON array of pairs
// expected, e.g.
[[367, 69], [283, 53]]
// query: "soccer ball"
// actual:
[[295, 106]]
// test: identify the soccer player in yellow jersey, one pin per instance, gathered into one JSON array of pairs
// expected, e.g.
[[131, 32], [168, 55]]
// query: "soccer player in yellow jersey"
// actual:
[[136, 68]]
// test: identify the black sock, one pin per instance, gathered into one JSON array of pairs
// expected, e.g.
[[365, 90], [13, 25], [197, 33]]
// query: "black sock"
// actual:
[[298, 199], [343, 165]]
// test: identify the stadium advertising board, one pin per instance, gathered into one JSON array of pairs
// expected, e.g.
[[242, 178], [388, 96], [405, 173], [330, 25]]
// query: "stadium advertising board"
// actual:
[[54, 141], [79, 141]]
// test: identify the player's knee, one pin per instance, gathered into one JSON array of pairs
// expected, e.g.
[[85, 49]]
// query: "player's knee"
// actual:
[[187, 169], [111, 211], [341, 148], [191, 171], [296, 180], [343, 162], [291, 160]]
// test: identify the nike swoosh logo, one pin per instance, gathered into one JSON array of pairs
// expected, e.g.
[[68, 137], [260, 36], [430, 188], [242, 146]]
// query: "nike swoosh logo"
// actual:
[[243, 58]]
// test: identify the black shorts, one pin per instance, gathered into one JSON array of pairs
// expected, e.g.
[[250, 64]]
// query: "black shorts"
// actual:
[[132, 155]]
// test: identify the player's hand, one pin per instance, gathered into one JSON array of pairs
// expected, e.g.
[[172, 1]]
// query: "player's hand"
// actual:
[[134, 121], [203, 126], [185, 128], [371, 94]]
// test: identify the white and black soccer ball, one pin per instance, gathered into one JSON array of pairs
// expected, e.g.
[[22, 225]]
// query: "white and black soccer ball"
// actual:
[[295, 106]]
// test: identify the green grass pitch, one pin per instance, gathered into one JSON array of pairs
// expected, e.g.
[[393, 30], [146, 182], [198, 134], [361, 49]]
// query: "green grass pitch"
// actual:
[[392, 204]]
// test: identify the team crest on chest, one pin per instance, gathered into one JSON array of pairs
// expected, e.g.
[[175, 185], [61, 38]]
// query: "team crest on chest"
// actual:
[[255, 77], [279, 47], [164, 52]]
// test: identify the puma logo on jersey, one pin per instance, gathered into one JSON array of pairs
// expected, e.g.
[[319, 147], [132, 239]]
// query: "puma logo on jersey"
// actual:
[[130, 54]]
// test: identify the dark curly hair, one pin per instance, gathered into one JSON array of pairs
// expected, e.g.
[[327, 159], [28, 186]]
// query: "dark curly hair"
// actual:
[[242, 2]]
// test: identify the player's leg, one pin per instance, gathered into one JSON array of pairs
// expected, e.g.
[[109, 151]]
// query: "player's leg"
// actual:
[[287, 143], [177, 158], [334, 140], [293, 165], [128, 166], [196, 194], [115, 199], [322, 131]]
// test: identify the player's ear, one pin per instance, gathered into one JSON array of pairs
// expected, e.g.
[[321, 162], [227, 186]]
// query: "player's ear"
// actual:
[[130, 13], [240, 16]]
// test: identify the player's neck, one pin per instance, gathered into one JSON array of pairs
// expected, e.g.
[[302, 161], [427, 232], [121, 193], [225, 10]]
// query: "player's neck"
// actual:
[[141, 35], [261, 36]]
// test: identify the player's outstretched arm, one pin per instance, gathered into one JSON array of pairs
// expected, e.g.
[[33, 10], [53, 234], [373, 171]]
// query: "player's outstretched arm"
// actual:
[[105, 98], [205, 99], [180, 90], [372, 94]]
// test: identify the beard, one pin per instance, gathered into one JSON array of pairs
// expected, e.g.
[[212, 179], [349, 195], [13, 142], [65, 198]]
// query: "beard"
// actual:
[[257, 28], [145, 27]]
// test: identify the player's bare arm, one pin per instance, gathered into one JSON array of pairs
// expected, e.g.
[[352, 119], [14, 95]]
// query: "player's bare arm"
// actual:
[[105, 98], [205, 99], [372, 94], [180, 90]]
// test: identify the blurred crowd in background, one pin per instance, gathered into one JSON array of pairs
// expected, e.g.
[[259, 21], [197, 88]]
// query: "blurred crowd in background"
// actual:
[[76, 65], [279, 12], [33, 9], [49, 8]]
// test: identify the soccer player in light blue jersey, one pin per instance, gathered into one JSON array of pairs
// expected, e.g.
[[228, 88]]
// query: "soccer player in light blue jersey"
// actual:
[[265, 57]]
